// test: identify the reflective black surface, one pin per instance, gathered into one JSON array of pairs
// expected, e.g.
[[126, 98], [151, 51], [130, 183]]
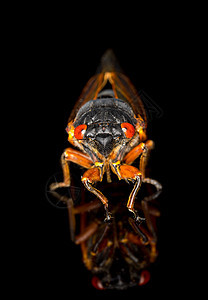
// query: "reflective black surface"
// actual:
[[59, 72]]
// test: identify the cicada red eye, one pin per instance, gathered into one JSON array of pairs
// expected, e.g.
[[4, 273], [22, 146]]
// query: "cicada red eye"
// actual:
[[144, 278], [128, 129], [97, 283], [79, 131]]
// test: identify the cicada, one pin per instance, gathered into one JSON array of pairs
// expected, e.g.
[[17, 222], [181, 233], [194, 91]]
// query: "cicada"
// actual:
[[107, 131]]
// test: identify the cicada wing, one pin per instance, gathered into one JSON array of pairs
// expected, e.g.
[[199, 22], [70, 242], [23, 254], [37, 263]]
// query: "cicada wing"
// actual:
[[127, 92], [123, 87], [109, 63], [90, 91], [111, 72]]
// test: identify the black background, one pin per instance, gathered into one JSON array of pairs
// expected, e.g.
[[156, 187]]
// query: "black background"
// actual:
[[57, 56]]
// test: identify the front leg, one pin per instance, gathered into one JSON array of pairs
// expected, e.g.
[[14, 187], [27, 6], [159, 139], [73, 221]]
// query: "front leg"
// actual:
[[131, 173], [75, 156], [142, 149], [89, 178]]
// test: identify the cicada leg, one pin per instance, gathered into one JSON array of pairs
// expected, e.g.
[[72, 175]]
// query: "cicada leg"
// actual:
[[75, 156], [151, 232], [89, 178], [150, 213], [131, 173], [150, 219], [145, 207], [142, 149]]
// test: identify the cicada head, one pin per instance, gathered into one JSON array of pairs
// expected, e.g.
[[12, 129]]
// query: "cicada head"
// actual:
[[102, 125]]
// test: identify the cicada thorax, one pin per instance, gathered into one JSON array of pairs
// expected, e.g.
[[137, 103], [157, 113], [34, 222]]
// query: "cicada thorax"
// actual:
[[110, 81]]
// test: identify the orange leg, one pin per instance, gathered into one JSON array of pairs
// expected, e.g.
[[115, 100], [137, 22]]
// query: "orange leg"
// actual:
[[143, 150], [131, 173], [75, 156], [134, 154], [89, 178]]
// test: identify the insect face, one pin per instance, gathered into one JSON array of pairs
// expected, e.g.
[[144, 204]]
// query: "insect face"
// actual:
[[105, 124], [104, 136]]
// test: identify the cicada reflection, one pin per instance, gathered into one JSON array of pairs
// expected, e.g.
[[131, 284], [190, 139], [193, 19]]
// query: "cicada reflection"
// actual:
[[108, 126], [120, 253]]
